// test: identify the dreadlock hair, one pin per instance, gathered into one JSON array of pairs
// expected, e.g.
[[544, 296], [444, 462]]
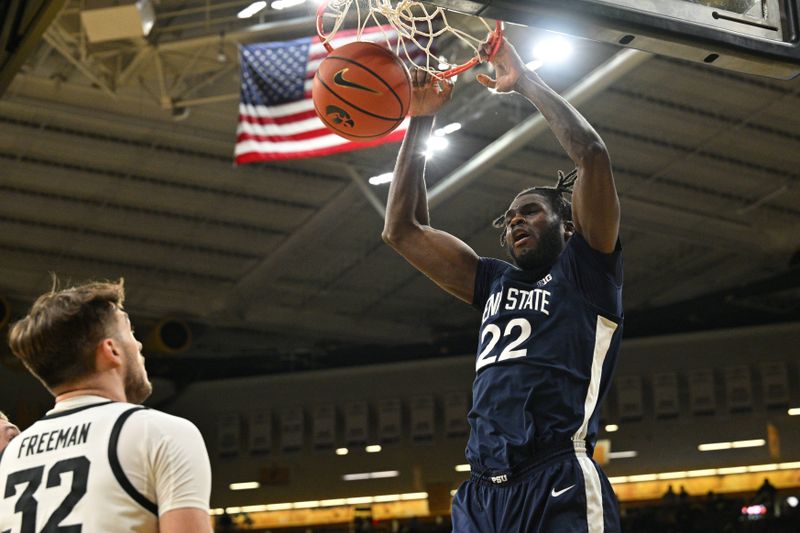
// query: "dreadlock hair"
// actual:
[[554, 195]]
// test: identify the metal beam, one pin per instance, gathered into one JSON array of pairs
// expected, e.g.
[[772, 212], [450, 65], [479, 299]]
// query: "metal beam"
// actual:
[[518, 136], [64, 49], [299, 26], [372, 198], [19, 51]]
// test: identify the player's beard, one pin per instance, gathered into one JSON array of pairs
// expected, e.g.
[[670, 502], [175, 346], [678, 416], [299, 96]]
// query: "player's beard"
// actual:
[[549, 247], [137, 386]]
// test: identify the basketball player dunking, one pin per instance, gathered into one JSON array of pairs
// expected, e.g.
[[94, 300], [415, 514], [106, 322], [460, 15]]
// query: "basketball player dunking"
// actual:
[[551, 322], [95, 463]]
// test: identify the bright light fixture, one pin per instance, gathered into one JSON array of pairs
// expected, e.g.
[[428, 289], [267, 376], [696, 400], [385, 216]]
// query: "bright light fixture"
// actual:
[[642, 477], [312, 504], [254, 508], [245, 485], [671, 475], [384, 474], [356, 477], [714, 446], [251, 10], [342, 451], [284, 4], [792, 501], [627, 454], [794, 411], [371, 475], [437, 143], [553, 49], [359, 500], [447, 130], [731, 470], [753, 443], [380, 179], [462, 468], [611, 428], [279, 506], [373, 448]]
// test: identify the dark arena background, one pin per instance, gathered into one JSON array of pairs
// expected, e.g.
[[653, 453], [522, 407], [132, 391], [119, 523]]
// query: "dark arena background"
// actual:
[[329, 379]]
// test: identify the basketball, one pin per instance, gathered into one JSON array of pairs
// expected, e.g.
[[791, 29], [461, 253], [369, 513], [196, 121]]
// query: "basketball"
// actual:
[[362, 91]]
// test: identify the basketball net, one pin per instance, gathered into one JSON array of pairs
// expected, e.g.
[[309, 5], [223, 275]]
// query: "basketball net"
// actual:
[[416, 25]]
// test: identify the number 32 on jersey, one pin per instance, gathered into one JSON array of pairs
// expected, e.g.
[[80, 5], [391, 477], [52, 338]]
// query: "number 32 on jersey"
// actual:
[[517, 332]]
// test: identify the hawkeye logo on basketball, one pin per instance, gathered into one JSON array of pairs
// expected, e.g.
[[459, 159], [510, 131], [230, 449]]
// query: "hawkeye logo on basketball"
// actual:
[[339, 80]]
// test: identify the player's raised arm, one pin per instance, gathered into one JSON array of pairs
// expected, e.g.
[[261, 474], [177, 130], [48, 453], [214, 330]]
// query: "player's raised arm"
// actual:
[[595, 205], [448, 261]]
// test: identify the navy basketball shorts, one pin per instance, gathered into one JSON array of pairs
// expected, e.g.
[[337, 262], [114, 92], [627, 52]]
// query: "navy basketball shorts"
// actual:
[[564, 493]]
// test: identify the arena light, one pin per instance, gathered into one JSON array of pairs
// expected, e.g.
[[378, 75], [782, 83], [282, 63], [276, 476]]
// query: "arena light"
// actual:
[[714, 446], [373, 448], [794, 411], [704, 472], [278, 506], [447, 130], [251, 10], [254, 508], [359, 500], [462, 468], [553, 49], [436, 143], [244, 485], [333, 502], [356, 477], [672, 475], [311, 504], [383, 474], [285, 4], [752, 443], [642, 477], [627, 454], [380, 179], [342, 451], [611, 428], [731, 470]]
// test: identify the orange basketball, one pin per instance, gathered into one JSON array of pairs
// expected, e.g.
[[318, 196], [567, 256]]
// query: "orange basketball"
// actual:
[[362, 91]]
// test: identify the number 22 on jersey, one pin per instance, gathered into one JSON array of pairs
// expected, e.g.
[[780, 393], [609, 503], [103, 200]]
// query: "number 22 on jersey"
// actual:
[[512, 349]]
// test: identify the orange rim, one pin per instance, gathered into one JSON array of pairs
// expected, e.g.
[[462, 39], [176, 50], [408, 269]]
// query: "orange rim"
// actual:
[[496, 39]]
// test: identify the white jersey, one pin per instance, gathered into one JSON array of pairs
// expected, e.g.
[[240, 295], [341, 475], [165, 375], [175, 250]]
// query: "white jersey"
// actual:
[[95, 466]]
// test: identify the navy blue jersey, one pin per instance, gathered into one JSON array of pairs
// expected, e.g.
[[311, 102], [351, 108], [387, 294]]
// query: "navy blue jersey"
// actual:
[[546, 351]]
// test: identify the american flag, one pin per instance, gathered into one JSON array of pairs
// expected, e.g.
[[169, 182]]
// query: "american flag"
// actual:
[[276, 114]]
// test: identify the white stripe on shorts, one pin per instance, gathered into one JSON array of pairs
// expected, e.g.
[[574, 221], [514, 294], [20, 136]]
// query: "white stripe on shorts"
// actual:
[[594, 494]]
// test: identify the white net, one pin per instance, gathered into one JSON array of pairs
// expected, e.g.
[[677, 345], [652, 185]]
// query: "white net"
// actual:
[[417, 26]]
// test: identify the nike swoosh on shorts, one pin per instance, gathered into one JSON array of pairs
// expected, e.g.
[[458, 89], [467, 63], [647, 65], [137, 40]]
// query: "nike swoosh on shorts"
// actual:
[[556, 493]]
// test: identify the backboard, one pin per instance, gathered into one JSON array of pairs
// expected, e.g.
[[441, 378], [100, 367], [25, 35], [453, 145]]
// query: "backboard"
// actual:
[[752, 36]]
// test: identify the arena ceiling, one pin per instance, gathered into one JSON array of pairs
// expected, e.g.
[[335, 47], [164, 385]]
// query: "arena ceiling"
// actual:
[[116, 161]]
